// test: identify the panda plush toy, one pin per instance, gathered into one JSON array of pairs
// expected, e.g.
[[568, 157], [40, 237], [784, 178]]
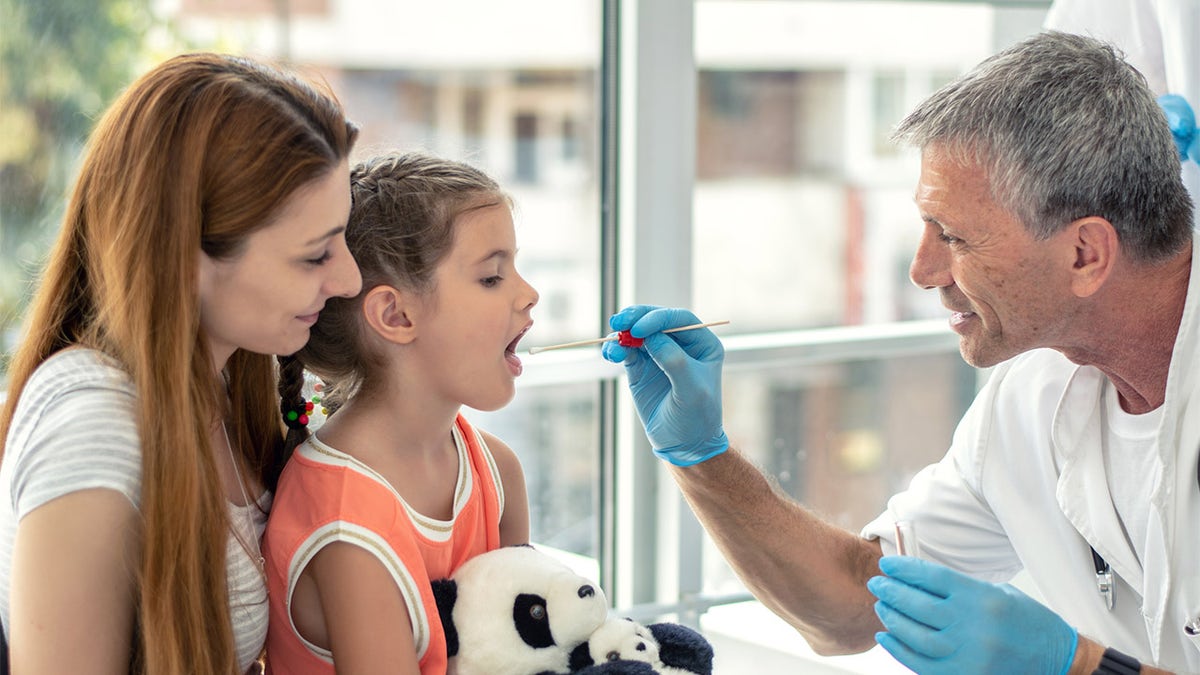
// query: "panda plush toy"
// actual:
[[517, 611]]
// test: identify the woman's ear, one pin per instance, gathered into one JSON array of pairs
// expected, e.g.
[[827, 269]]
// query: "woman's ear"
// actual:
[[1097, 248], [388, 312]]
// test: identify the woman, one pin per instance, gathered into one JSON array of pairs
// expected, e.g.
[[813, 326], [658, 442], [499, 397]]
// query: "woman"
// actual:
[[142, 435]]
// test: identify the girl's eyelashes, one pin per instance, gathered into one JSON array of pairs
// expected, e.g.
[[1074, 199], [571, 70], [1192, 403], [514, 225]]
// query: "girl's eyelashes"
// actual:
[[489, 282]]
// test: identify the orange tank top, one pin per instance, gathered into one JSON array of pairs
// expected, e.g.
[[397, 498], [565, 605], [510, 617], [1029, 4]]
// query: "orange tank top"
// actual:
[[327, 496]]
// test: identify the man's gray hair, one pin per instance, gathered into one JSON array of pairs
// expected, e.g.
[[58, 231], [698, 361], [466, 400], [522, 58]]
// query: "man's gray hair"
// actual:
[[1065, 128]]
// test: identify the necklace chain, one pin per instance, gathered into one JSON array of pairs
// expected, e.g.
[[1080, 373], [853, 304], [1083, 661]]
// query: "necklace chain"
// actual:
[[256, 554]]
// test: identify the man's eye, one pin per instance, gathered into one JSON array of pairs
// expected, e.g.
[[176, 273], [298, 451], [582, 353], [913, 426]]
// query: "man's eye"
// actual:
[[949, 239]]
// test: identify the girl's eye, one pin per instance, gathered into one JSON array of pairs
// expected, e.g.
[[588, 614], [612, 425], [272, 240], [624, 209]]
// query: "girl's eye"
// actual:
[[491, 281], [321, 260]]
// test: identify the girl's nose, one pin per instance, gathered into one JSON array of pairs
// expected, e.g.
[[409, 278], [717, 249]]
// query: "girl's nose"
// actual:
[[530, 297]]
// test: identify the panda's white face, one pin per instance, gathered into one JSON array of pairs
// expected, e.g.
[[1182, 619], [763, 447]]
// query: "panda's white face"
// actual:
[[520, 611], [623, 639]]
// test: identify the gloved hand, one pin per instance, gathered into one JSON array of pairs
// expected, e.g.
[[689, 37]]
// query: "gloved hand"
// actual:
[[942, 621], [1183, 125], [675, 380]]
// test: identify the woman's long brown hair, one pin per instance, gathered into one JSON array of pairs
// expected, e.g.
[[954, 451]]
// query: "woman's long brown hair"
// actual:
[[196, 155]]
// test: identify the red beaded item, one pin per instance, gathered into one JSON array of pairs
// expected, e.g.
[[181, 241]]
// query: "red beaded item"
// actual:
[[625, 339]]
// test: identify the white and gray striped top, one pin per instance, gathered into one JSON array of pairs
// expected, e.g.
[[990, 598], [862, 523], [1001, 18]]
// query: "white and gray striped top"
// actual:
[[75, 429]]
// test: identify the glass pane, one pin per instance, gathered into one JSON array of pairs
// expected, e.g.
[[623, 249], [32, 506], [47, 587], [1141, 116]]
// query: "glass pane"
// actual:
[[842, 438], [803, 208], [555, 432]]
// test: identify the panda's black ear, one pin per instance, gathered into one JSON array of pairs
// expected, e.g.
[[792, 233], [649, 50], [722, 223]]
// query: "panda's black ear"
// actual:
[[445, 593], [581, 657]]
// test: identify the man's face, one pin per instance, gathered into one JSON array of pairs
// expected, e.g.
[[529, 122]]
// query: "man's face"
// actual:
[[1008, 292]]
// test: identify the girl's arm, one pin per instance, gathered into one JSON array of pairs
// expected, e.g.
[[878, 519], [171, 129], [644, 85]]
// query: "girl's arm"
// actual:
[[366, 617], [514, 522], [72, 586]]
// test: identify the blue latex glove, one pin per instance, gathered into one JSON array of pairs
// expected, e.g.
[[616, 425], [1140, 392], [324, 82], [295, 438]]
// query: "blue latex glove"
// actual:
[[1183, 125], [942, 621], [675, 380]]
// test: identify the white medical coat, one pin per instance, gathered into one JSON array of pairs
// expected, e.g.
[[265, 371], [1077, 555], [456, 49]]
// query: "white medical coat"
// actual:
[[1024, 487]]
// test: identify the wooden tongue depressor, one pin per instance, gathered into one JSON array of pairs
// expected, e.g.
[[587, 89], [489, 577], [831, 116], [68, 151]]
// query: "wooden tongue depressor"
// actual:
[[623, 337]]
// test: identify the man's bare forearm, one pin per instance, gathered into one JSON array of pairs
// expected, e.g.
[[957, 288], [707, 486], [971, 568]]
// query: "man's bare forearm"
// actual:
[[807, 571]]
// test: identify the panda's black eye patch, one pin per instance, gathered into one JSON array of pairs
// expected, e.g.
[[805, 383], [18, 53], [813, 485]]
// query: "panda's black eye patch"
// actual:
[[532, 620]]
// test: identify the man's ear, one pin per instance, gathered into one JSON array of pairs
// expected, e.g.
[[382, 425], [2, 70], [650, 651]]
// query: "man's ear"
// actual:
[[388, 312], [1096, 251]]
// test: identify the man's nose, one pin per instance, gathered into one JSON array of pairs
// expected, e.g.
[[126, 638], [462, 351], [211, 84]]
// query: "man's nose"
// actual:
[[930, 266]]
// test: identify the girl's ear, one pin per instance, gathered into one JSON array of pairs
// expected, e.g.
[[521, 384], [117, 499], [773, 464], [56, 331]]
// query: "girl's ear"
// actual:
[[388, 312]]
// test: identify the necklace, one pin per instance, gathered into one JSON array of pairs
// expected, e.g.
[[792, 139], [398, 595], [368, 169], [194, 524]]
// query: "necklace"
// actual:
[[256, 554]]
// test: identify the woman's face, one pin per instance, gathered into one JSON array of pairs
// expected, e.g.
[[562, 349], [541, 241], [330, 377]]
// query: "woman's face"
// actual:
[[266, 298]]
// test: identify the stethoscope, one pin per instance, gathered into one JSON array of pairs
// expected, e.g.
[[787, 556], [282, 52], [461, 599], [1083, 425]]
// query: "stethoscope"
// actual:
[[1104, 583]]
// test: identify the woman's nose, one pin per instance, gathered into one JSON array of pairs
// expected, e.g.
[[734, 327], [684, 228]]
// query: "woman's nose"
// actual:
[[345, 279]]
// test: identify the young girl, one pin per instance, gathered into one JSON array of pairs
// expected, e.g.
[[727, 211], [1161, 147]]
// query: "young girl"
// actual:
[[141, 434], [397, 488]]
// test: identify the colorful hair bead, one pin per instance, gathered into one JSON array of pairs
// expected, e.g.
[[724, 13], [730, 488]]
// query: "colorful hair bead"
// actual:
[[296, 417]]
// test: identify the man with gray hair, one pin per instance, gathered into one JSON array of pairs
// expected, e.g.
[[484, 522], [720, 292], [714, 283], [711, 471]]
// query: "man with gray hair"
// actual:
[[1059, 235]]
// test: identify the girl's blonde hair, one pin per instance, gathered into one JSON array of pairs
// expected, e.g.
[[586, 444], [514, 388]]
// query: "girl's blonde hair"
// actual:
[[196, 155]]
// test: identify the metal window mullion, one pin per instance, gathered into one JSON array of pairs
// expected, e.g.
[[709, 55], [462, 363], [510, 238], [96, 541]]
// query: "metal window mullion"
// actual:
[[610, 101], [658, 150]]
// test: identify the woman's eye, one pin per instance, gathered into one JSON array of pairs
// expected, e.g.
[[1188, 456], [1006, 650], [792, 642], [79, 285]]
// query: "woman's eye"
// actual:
[[320, 260]]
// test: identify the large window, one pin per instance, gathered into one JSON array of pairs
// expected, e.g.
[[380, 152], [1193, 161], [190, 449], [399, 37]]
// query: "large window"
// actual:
[[725, 155]]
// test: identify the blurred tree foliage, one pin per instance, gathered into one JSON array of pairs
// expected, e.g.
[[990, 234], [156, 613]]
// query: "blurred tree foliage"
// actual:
[[61, 63]]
